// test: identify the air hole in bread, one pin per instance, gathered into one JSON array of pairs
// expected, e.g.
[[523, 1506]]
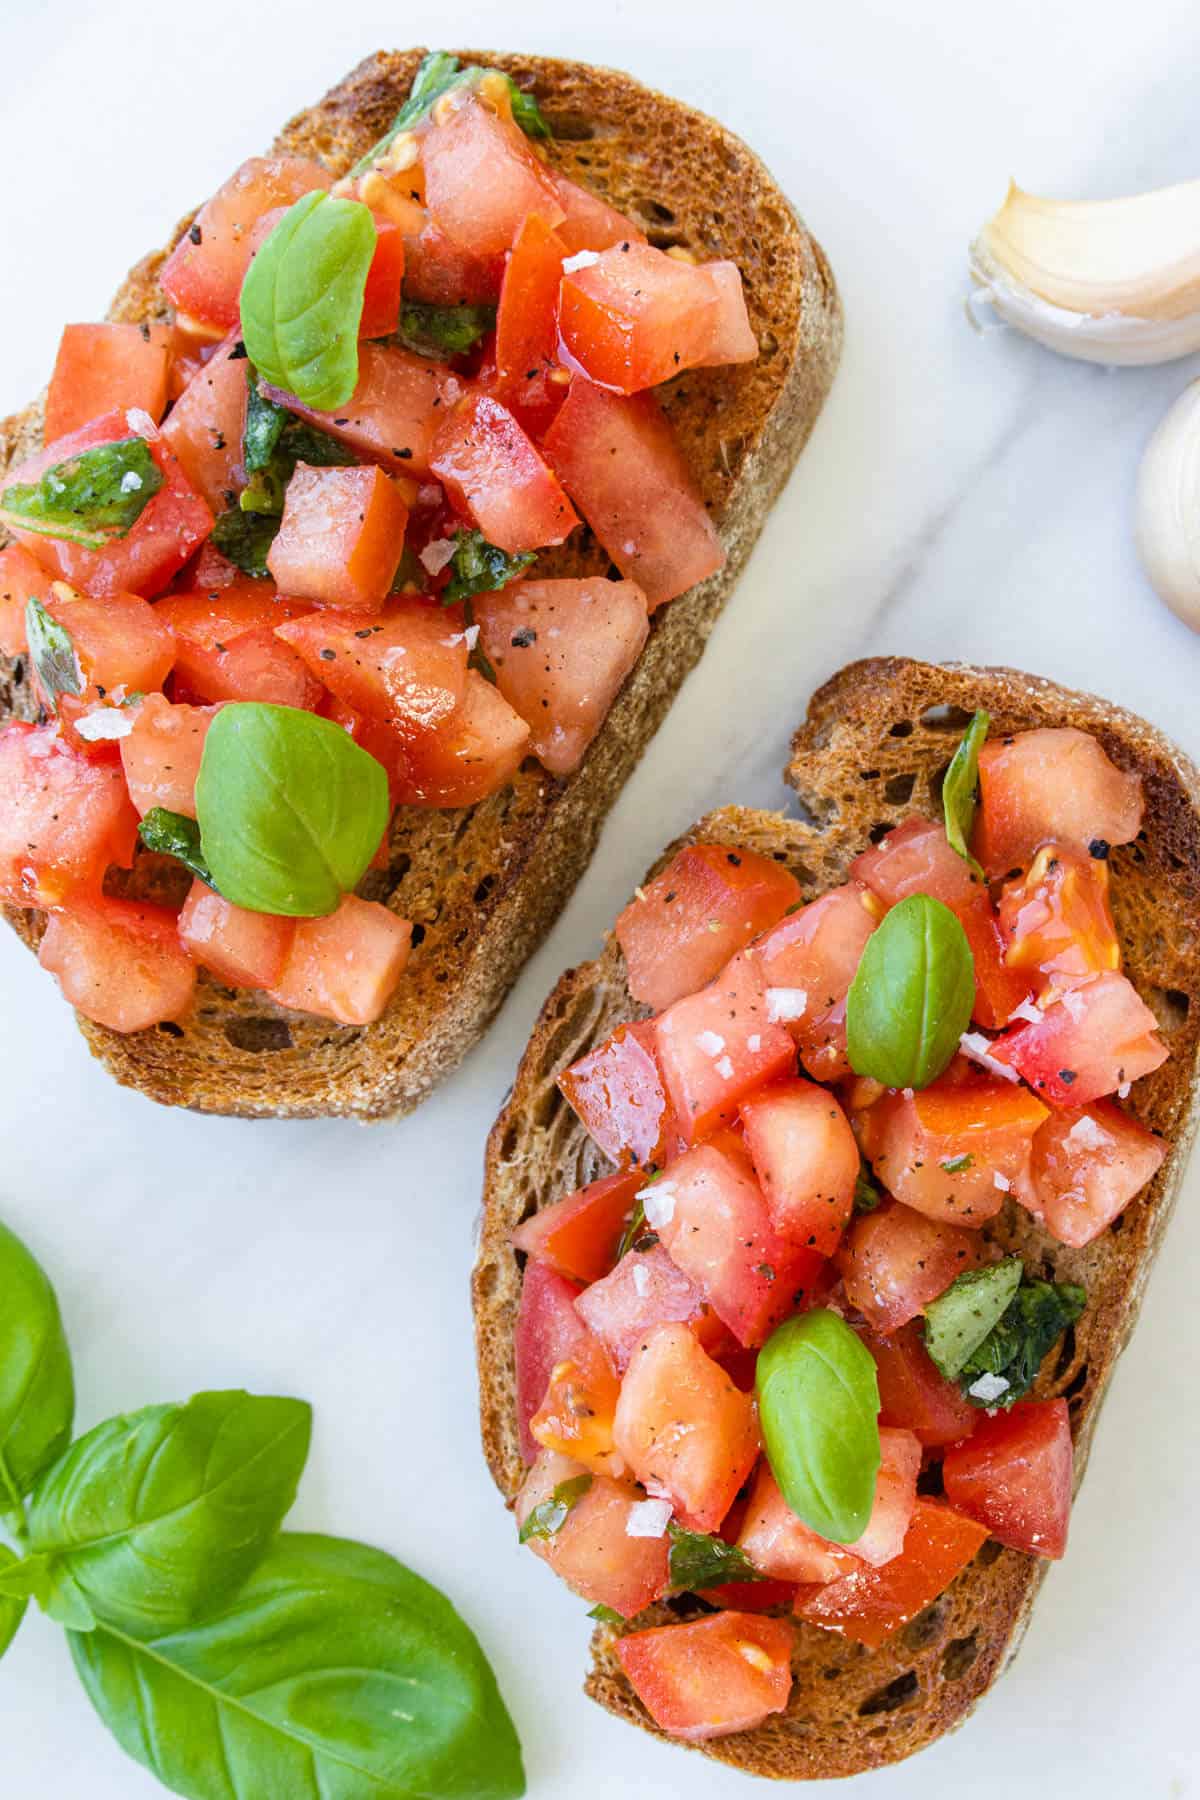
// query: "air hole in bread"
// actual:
[[1066, 1355], [657, 210], [988, 1553], [667, 240], [483, 891], [898, 788], [891, 1698], [945, 718], [259, 1035], [1076, 1385], [926, 1628], [688, 1606], [879, 830], [571, 128], [958, 1656], [935, 783], [901, 729], [1169, 1005], [169, 1028]]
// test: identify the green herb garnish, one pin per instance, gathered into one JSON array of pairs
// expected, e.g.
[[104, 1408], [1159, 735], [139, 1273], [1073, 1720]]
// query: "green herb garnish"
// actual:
[[959, 1320], [912, 996], [245, 538], [698, 1561], [549, 1516], [274, 442], [438, 73], [604, 1615], [478, 567], [866, 1195], [818, 1400], [89, 499], [52, 652], [1014, 1350], [442, 331], [174, 834], [960, 789]]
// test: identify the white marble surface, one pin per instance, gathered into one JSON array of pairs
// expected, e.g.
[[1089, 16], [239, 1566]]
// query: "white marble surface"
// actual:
[[962, 497]]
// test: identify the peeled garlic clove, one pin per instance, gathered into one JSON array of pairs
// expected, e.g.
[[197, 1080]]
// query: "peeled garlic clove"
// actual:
[[1168, 508], [1113, 281]]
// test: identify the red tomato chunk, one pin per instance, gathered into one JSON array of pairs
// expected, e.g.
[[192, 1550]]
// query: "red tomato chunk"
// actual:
[[1091, 1039], [243, 949], [783, 1546], [345, 967], [682, 928], [475, 753], [481, 178], [617, 1090], [1051, 787], [808, 963], [645, 1290], [633, 316], [393, 415], [713, 1676], [1088, 1163], [527, 319], [492, 471], [869, 1605], [21, 579], [914, 1394], [102, 366], [954, 1150], [407, 667], [63, 820], [122, 645], [119, 964], [717, 1046], [547, 1332], [593, 1551], [1015, 1476], [1056, 918], [340, 537], [895, 1261], [579, 1236], [577, 1410], [206, 426], [807, 1160], [161, 754]]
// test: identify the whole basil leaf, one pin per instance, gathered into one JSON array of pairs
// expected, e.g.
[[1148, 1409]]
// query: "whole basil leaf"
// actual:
[[334, 1674], [478, 567], [911, 998], [46, 1580], [246, 538], [957, 1322], [37, 1390], [12, 1610], [818, 1400], [1015, 1348], [960, 789], [290, 810], [174, 834], [52, 652], [302, 299], [89, 499], [443, 331], [698, 1561], [157, 1516]]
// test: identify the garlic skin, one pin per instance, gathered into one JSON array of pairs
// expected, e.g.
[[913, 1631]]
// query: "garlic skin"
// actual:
[[1168, 508], [1114, 281]]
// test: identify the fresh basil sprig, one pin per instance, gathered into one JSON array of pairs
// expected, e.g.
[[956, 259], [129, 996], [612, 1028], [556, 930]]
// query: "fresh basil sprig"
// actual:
[[442, 331], [698, 1561], [290, 809], [1019, 1342], [478, 567], [818, 1400], [52, 652], [89, 499], [548, 1517], [437, 74], [174, 834], [960, 789], [302, 299], [37, 1390], [957, 1322], [12, 1608], [912, 995]]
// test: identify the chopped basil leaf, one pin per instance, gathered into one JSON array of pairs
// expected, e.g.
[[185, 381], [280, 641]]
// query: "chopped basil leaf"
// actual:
[[549, 1516], [698, 1561], [1015, 1348], [442, 331], [866, 1194], [959, 1320], [273, 443], [246, 538], [960, 789], [955, 1165], [410, 577], [265, 421], [437, 74], [89, 499], [526, 111], [478, 567], [633, 1231], [174, 834], [606, 1616], [52, 652]]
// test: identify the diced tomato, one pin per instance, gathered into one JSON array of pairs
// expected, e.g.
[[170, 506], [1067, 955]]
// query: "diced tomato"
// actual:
[[161, 754], [561, 651], [102, 366], [440, 272], [547, 1331], [121, 643], [527, 318], [345, 966], [895, 1498], [203, 274], [481, 178], [1088, 1163], [118, 963], [191, 346], [172, 524], [408, 667], [534, 397], [717, 1046], [783, 1546], [254, 666], [1092, 1038], [579, 1236], [710, 1677], [684, 1428], [999, 987], [243, 949], [806, 1159], [21, 579], [869, 1605], [895, 1261], [381, 297], [592, 1550], [63, 819], [617, 1090], [211, 570], [576, 1414], [216, 614], [475, 753], [493, 472], [1056, 919], [618, 459], [340, 537], [1015, 1476], [712, 1219], [634, 317], [378, 739], [751, 1596], [808, 962], [682, 927], [207, 423], [645, 1290], [393, 415], [956, 1148], [1054, 786], [590, 222], [914, 1394]]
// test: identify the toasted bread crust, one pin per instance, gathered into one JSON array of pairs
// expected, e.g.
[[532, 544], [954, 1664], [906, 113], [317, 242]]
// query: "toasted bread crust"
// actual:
[[868, 755], [485, 884]]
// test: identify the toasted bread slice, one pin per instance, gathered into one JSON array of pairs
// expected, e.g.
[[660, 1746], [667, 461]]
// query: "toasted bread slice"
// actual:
[[483, 885], [874, 748]]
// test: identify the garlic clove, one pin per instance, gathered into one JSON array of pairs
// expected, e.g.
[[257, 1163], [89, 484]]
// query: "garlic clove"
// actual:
[[1168, 508], [1115, 281]]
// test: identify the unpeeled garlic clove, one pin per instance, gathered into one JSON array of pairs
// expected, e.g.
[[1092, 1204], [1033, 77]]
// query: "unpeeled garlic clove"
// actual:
[[1112, 281], [1168, 508]]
